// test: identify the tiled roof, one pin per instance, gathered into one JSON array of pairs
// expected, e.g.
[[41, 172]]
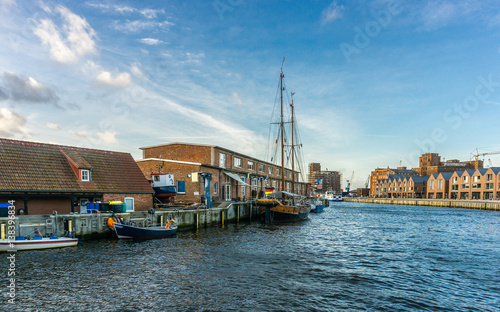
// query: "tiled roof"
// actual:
[[44, 167]]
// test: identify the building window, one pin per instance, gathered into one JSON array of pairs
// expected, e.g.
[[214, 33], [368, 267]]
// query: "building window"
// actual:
[[251, 165], [181, 187], [455, 179], [237, 162], [465, 179], [454, 187], [274, 183], [85, 174], [476, 185], [270, 170], [261, 167], [278, 171], [216, 187], [489, 177], [488, 186], [440, 184], [465, 186], [255, 183], [222, 160], [476, 179], [431, 185]]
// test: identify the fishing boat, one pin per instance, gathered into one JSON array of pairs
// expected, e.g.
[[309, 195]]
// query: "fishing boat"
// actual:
[[125, 231], [284, 206], [37, 242], [317, 205]]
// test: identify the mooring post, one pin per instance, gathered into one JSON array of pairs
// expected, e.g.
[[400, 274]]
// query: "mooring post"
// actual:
[[268, 215], [222, 217]]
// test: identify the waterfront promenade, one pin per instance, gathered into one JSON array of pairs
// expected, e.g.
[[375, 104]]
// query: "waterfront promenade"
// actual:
[[451, 203]]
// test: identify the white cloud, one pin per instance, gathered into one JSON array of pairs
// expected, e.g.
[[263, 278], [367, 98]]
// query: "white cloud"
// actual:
[[12, 124], [136, 71], [437, 14], [139, 25], [332, 13], [105, 78], [74, 40], [150, 41], [124, 9], [235, 97], [108, 137], [52, 126], [122, 80]]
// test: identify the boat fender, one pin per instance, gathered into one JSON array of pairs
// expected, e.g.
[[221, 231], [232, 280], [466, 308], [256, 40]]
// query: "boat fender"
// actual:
[[167, 226], [110, 223], [151, 211], [121, 221]]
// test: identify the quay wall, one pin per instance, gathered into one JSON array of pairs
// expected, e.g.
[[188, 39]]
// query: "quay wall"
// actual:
[[477, 204], [93, 226]]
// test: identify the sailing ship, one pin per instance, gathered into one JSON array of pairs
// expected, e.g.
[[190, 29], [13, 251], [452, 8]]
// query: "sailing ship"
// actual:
[[284, 206]]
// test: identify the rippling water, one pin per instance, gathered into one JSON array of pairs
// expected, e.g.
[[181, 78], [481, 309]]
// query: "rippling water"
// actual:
[[352, 257]]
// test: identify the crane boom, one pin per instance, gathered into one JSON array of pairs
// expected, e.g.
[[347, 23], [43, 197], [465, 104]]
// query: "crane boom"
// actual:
[[477, 155]]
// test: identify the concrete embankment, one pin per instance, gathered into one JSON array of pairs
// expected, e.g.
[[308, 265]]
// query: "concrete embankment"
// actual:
[[89, 226], [467, 204]]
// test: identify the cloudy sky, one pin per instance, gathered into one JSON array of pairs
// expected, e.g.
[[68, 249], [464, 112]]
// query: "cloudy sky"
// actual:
[[376, 82]]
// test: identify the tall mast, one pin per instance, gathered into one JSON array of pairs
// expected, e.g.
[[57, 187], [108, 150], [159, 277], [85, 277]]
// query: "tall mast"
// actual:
[[281, 128], [293, 152]]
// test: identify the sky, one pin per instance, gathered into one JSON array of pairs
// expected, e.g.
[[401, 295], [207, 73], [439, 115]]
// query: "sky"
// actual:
[[376, 83]]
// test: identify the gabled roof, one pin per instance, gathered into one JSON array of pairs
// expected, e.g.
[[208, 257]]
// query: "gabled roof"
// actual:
[[434, 175], [482, 171], [419, 179], [29, 166], [446, 175], [495, 170]]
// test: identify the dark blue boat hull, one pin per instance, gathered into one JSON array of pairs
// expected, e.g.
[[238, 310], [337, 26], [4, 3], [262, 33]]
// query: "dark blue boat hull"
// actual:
[[124, 231]]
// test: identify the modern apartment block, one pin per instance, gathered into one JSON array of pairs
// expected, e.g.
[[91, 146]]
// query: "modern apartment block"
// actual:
[[323, 180]]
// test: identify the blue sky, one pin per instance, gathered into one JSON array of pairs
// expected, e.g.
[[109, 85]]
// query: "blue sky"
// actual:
[[376, 82]]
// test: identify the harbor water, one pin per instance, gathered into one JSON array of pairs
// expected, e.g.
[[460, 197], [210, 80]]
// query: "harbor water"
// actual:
[[351, 257]]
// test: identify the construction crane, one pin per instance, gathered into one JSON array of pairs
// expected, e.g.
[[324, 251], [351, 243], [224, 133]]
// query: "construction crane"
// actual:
[[348, 187], [476, 155], [367, 182]]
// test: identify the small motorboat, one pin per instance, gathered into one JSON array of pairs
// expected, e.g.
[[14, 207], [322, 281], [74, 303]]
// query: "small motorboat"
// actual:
[[37, 242], [317, 205], [125, 231]]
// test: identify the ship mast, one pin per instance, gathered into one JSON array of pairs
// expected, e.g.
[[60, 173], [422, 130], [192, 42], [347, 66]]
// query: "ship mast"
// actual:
[[293, 152], [281, 129]]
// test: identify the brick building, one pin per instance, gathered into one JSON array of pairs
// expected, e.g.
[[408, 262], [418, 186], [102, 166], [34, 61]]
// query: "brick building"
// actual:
[[43, 178], [323, 180], [482, 183], [400, 186], [431, 163], [235, 176], [381, 174], [438, 185]]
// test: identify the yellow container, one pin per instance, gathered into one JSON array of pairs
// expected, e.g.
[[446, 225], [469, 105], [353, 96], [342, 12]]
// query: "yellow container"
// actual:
[[115, 202]]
